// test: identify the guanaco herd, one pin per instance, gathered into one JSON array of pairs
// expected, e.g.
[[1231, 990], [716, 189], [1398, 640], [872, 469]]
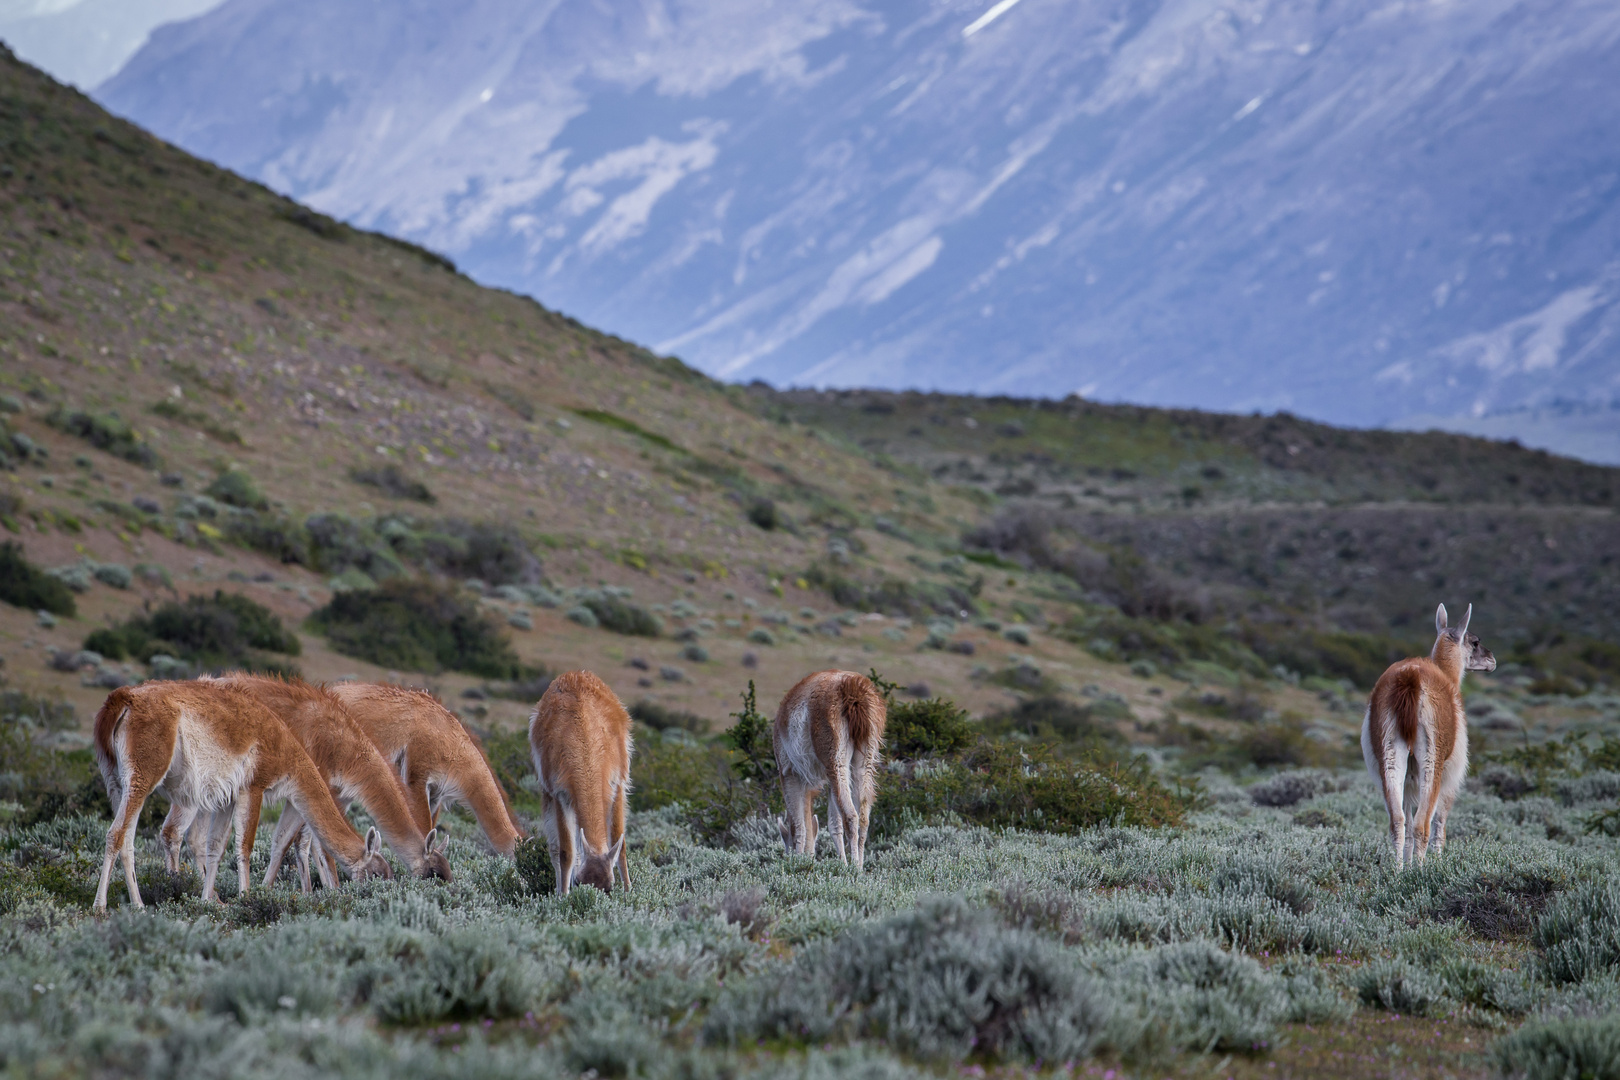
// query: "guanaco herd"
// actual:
[[218, 747]]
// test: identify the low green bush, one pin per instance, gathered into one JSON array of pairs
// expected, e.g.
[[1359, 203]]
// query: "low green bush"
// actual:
[[392, 481], [1078, 730], [945, 980], [105, 431], [234, 487], [663, 718], [921, 728], [24, 585], [1571, 1048], [616, 613], [417, 625], [1002, 785], [227, 630]]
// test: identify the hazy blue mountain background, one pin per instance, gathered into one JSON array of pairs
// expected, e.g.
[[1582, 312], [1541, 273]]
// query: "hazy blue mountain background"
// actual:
[[1367, 212], [84, 41]]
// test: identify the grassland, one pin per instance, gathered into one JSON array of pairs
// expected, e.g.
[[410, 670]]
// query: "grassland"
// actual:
[[205, 388]]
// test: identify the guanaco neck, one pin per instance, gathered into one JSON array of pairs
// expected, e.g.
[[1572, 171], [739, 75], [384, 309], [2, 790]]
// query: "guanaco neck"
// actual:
[[489, 807], [1447, 656]]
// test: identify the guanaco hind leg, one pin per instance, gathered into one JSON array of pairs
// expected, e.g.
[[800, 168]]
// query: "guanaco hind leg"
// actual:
[[121, 843]]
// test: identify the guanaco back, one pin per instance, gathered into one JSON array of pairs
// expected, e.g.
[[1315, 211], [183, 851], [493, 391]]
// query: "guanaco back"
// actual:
[[210, 748], [438, 759], [1414, 737], [829, 728], [354, 769], [579, 735]]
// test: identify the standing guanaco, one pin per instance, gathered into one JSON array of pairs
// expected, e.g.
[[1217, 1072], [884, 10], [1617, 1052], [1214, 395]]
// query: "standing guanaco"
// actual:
[[829, 727], [210, 747], [354, 769], [579, 735], [437, 758], [1414, 737]]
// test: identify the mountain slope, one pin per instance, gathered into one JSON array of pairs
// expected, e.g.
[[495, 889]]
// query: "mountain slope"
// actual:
[[1363, 214]]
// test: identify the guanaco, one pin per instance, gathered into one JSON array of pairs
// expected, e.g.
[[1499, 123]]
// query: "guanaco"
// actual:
[[829, 727], [352, 767], [1414, 737], [579, 735], [437, 758], [210, 747]]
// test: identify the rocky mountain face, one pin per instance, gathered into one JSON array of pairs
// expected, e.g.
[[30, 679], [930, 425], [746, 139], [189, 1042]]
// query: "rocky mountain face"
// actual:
[[1394, 213]]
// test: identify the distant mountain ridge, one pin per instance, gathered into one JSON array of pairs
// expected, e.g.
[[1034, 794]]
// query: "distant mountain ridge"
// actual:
[[1370, 214]]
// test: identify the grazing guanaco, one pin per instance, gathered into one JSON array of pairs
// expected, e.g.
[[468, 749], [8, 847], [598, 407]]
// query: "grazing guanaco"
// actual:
[[579, 735], [1414, 737], [438, 759], [210, 747], [829, 727], [352, 767]]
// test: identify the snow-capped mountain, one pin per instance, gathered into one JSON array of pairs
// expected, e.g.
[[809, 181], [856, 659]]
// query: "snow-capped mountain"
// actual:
[[1361, 211]]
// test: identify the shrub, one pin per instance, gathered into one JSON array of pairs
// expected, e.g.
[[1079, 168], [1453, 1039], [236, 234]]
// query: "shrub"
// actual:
[[227, 630], [943, 980], [663, 718], [1579, 933], [1288, 788], [392, 480], [615, 613], [416, 625], [465, 975], [999, 785], [1053, 720], [275, 535], [495, 554], [24, 585], [338, 543], [763, 512], [677, 770], [234, 487], [104, 431], [1583, 1047], [1398, 986], [920, 728]]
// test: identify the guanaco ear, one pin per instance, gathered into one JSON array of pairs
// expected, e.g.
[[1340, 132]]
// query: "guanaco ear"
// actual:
[[1440, 619], [613, 852], [444, 842], [1467, 617], [427, 841], [373, 842]]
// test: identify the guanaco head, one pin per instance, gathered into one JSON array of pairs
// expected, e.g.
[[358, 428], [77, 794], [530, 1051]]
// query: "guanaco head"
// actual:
[[598, 869], [373, 864], [1475, 657], [434, 863]]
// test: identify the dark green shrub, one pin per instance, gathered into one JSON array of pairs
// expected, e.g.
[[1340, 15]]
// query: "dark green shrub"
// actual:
[[392, 480], [1083, 729], [892, 596], [762, 512], [227, 630], [104, 431], [1001, 785], [494, 554], [622, 617], [24, 585], [923, 728], [668, 771], [416, 625], [533, 859], [234, 487], [338, 543], [662, 717], [277, 536]]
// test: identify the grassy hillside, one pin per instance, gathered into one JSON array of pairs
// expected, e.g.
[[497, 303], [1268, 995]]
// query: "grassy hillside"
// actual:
[[1129, 650]]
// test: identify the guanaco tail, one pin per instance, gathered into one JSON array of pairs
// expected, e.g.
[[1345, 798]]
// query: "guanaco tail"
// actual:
[[437, 758], [579, 735], [210, 748], [829, 729], [1414, 737]]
